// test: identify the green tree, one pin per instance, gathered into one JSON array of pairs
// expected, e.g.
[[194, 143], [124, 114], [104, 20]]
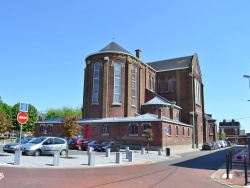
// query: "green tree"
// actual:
[[5, 108], [33, 117], [61, 112], [70, 128], [149, 136], [223, 136], [5, 123]]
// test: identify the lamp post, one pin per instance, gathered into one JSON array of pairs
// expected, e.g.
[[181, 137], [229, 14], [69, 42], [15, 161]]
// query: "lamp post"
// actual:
[[248, 77]]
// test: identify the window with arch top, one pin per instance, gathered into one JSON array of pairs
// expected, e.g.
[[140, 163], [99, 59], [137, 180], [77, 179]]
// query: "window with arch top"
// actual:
[[95, 83], [117, 83]]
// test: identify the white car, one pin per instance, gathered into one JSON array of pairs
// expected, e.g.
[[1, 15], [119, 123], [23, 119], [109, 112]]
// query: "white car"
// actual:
[[45, 145], [222, 143]]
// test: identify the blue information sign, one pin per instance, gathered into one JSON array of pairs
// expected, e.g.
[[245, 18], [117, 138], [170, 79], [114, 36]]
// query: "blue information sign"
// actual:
[[166, 130], [24, 107]]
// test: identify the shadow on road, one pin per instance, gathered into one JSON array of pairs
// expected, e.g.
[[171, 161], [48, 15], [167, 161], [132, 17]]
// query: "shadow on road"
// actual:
[[211, 161]]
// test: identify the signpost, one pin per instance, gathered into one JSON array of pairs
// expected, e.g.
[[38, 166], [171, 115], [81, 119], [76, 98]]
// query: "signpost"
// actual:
[[24, 107]]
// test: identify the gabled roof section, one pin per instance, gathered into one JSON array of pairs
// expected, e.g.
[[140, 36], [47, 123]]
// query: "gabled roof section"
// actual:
[[171, 64], [114, 47], [157, 101]]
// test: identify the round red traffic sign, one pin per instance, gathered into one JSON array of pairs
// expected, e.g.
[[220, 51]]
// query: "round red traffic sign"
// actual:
[[22, 117]]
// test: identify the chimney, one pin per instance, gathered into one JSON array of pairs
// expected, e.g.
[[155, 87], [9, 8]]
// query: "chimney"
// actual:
[[159, 113], [138, 53]]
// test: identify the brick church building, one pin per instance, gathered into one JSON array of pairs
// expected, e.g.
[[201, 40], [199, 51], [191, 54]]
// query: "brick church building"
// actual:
[[123, 96]]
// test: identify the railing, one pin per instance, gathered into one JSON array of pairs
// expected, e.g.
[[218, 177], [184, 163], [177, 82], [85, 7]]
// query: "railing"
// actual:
[[229, 162]]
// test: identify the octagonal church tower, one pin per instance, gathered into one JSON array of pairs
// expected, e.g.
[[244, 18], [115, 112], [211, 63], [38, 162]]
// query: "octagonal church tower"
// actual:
[[112, 83]]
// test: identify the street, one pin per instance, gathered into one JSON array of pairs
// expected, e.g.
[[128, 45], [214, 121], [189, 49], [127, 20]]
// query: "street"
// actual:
[[189, 170]]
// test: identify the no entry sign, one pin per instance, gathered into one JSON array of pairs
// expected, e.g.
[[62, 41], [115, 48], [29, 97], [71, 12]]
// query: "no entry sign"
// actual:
[[22, 117]]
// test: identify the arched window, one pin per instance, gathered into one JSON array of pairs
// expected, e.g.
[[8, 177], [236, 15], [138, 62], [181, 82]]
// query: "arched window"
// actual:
[[95, 83], [149, 82], [163, 83], [153, 83], [188, 132], [169, 129], [183, 131], [117, 82], [170, 85], [177, 132], [133, 102]]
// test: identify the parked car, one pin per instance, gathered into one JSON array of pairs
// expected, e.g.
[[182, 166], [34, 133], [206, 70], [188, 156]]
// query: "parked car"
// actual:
[[76, 143], [229, 143], [12, 147], [222, 143], [45, 145], [113, 145], [208, 146], [216, 145], [91, 143]]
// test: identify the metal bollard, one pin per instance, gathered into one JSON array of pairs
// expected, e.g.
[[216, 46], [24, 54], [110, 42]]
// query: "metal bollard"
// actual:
[[131, 156], [56, 158], [118, 158], [91, 159], [142, 151], [107, 152], [89, 150], [17, 157], [127, 152], [159, 151]]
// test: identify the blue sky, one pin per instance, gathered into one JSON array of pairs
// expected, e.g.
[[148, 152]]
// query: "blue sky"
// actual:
[[43, 45]]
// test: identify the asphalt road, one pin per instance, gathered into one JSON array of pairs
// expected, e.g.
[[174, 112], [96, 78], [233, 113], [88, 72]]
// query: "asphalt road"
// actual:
[[190, 170]]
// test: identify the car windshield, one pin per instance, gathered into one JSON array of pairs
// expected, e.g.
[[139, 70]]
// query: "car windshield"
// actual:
[[37, 140], [25, 140], [106, 143]]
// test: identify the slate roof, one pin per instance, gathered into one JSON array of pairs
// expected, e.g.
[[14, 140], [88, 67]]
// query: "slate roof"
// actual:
[[114, 47], [171, 64], [157, 101], [236, 123], [52, 120], [140, 118]]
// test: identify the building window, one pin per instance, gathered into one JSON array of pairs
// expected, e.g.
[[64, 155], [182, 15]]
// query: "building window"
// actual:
[[183, 131], [117, 82], [133, 86], [236, 131], [188, 132], [153, 84], [211, 130], [170, 85], [149, 82], [197, 92], [163, 84], [177, 131], [105, 129], [169, 129], [133, 129], [42, 128], [177, 116], [145, 126], [96, 83], [49, 129]]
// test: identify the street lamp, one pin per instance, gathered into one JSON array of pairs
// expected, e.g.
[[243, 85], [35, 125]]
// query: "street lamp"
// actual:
[[248, 77]]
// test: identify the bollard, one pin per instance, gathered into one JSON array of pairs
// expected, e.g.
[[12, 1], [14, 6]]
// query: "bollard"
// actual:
[[142, 151], [17, 157], [167, 151], [118, 158], [245, 165], [91, 159], [3, 142], [107, 152], [56, 158], [227, 165], [131, 156], [89, 150], [159, 151], [127, 152]]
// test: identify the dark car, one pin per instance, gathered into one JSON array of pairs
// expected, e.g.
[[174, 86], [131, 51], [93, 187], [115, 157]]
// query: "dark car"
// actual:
[[113, 145], [76, 143], [90, 143], [208, 146], [12, 147]]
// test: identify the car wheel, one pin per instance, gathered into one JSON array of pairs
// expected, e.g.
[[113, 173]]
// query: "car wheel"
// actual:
[[63, 153], [37, 152]]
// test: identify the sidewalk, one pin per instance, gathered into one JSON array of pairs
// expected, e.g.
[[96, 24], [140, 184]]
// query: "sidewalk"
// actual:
[[81, 161], [236, 174]]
